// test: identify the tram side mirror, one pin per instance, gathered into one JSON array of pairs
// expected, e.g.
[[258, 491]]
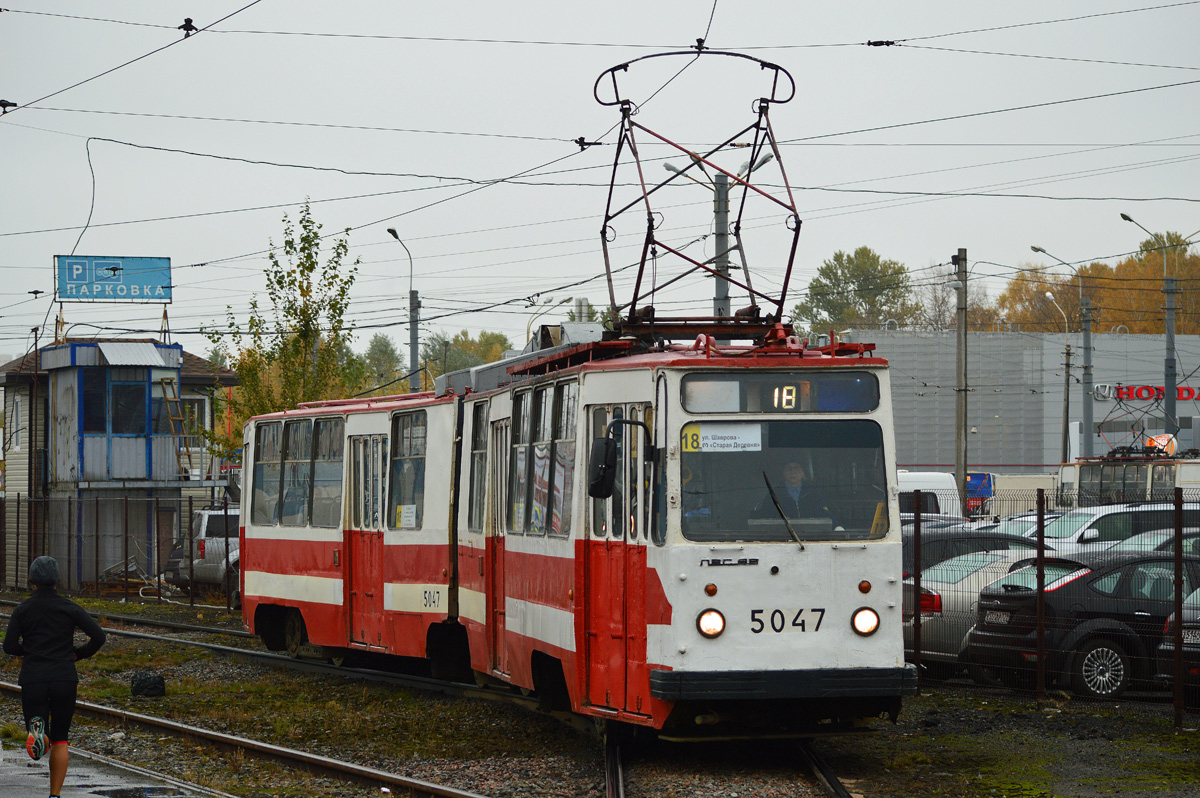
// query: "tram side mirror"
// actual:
[[602, 467]]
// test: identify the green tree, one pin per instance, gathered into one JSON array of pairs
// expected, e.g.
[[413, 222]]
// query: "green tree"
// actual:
[[299, 351], [441, 354], [854, 290], [383, 365]]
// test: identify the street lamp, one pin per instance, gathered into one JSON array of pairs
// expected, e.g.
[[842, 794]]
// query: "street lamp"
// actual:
[[1170, 420], [548, 306], [1088, 435], [1066, 435], [1079, 276], [414, 317]]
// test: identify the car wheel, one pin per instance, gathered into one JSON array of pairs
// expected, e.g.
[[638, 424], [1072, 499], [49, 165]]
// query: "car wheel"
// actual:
[[233, 586], [1101, 670], [1015, 679], [294, 633], [985, 675], [940, 671]]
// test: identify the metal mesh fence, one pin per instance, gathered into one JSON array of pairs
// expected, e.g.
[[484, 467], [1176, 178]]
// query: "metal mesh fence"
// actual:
[[166, 548], [1053, 591]]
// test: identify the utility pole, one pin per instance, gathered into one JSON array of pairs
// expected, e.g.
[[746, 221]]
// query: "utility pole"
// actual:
[[1172, 420], [1066, 428], [721, 226], [1087, 433], [414, 318], [960, 383]]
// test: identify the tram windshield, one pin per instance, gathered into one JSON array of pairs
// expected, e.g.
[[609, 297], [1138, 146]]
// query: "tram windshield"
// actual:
[[827, 477]]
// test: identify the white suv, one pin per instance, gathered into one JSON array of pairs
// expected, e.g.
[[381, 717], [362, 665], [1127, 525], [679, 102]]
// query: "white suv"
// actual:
[[1105, 526], [211, 563]]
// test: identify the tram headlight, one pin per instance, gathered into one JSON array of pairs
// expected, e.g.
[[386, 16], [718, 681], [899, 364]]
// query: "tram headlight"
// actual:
[[864, 621], [710, 623]]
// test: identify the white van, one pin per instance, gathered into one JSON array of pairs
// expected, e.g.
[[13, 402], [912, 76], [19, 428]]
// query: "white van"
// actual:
[[939, 492]]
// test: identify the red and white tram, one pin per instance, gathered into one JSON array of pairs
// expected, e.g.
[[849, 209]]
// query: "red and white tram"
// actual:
[[687, 537], [457, 526]]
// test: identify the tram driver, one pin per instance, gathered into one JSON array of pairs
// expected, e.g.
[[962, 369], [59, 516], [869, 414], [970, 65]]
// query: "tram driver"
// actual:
[[796, 499]]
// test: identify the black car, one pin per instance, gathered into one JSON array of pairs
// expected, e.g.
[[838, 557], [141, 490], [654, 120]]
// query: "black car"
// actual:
[[1104, 614], [941, 543], [1191, 650]]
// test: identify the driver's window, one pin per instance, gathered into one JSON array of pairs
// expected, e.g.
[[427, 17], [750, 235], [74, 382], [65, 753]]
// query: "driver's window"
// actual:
[[1117, 526]]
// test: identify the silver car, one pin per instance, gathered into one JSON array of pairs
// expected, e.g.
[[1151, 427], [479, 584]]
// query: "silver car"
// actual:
[[1100, 528], [949, 599]]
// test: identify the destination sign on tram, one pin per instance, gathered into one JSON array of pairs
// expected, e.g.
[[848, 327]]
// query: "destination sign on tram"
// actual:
[[781, 392]]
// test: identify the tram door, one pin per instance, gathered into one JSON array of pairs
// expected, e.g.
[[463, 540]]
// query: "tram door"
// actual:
[[495, 545], [365, 538], [615, 623]]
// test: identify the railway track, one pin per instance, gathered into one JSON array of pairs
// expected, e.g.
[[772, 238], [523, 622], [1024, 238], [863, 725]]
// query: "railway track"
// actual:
[[614, 773], [291, 757], [830, 784], [613, 766]]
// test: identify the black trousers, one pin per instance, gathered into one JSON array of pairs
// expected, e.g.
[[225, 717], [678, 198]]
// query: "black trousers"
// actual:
[[54, 703]]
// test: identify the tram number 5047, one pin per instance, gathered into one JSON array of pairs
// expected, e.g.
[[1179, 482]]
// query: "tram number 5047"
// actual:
[[777, 620]]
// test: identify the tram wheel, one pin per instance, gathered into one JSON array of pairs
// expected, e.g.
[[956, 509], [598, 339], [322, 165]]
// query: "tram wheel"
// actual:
[[295, 634]]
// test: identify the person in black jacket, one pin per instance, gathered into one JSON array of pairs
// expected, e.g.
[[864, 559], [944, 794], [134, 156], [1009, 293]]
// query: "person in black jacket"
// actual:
[[796, 499], [42, 632]]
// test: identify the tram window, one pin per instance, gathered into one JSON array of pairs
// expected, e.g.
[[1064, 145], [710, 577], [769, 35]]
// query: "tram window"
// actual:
[[634, 444], [297, 473], [1162, 485], [518, 490], [478, 487], [842, 495], [1089, 484], [541, 474], [564, 458], [407, 501], [356, 483], [499, 471], [328, 447], [1135, 483], [782, 392], [599, 506], [1112, 488], [620, 486], [264, 504], [376, 483], [647, 486]]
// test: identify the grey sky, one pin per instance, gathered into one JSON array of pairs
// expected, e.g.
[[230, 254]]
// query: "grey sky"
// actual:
[[430, 96]]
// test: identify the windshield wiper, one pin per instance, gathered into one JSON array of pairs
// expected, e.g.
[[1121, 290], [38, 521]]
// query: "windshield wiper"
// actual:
[[782, 514]]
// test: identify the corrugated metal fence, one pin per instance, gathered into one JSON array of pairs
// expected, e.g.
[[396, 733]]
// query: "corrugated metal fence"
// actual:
[[123, 547]]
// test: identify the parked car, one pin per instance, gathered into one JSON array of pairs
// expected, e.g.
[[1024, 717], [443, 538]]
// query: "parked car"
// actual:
[[1019, 524], [941, 544], [1191, 650], [1162, 540], [939, 492], [209, 565], [1097, 528], [948, 604], [1104, 616]]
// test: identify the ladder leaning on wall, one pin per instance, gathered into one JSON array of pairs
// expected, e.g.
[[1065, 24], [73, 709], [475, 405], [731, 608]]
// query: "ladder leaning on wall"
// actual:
[[175, 414]]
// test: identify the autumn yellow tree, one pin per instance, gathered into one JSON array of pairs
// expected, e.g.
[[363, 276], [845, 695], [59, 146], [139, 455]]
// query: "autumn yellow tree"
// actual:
[[1127, 296], [441, 354]]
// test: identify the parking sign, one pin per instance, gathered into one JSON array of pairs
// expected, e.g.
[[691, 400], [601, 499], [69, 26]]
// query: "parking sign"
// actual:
[[97, 278]]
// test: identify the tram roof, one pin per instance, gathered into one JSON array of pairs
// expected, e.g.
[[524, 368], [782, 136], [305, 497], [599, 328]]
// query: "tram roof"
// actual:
[[603, 355]]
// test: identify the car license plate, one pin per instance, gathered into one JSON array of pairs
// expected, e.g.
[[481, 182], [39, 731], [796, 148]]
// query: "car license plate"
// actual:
[[1191, 635], [996, 616]]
